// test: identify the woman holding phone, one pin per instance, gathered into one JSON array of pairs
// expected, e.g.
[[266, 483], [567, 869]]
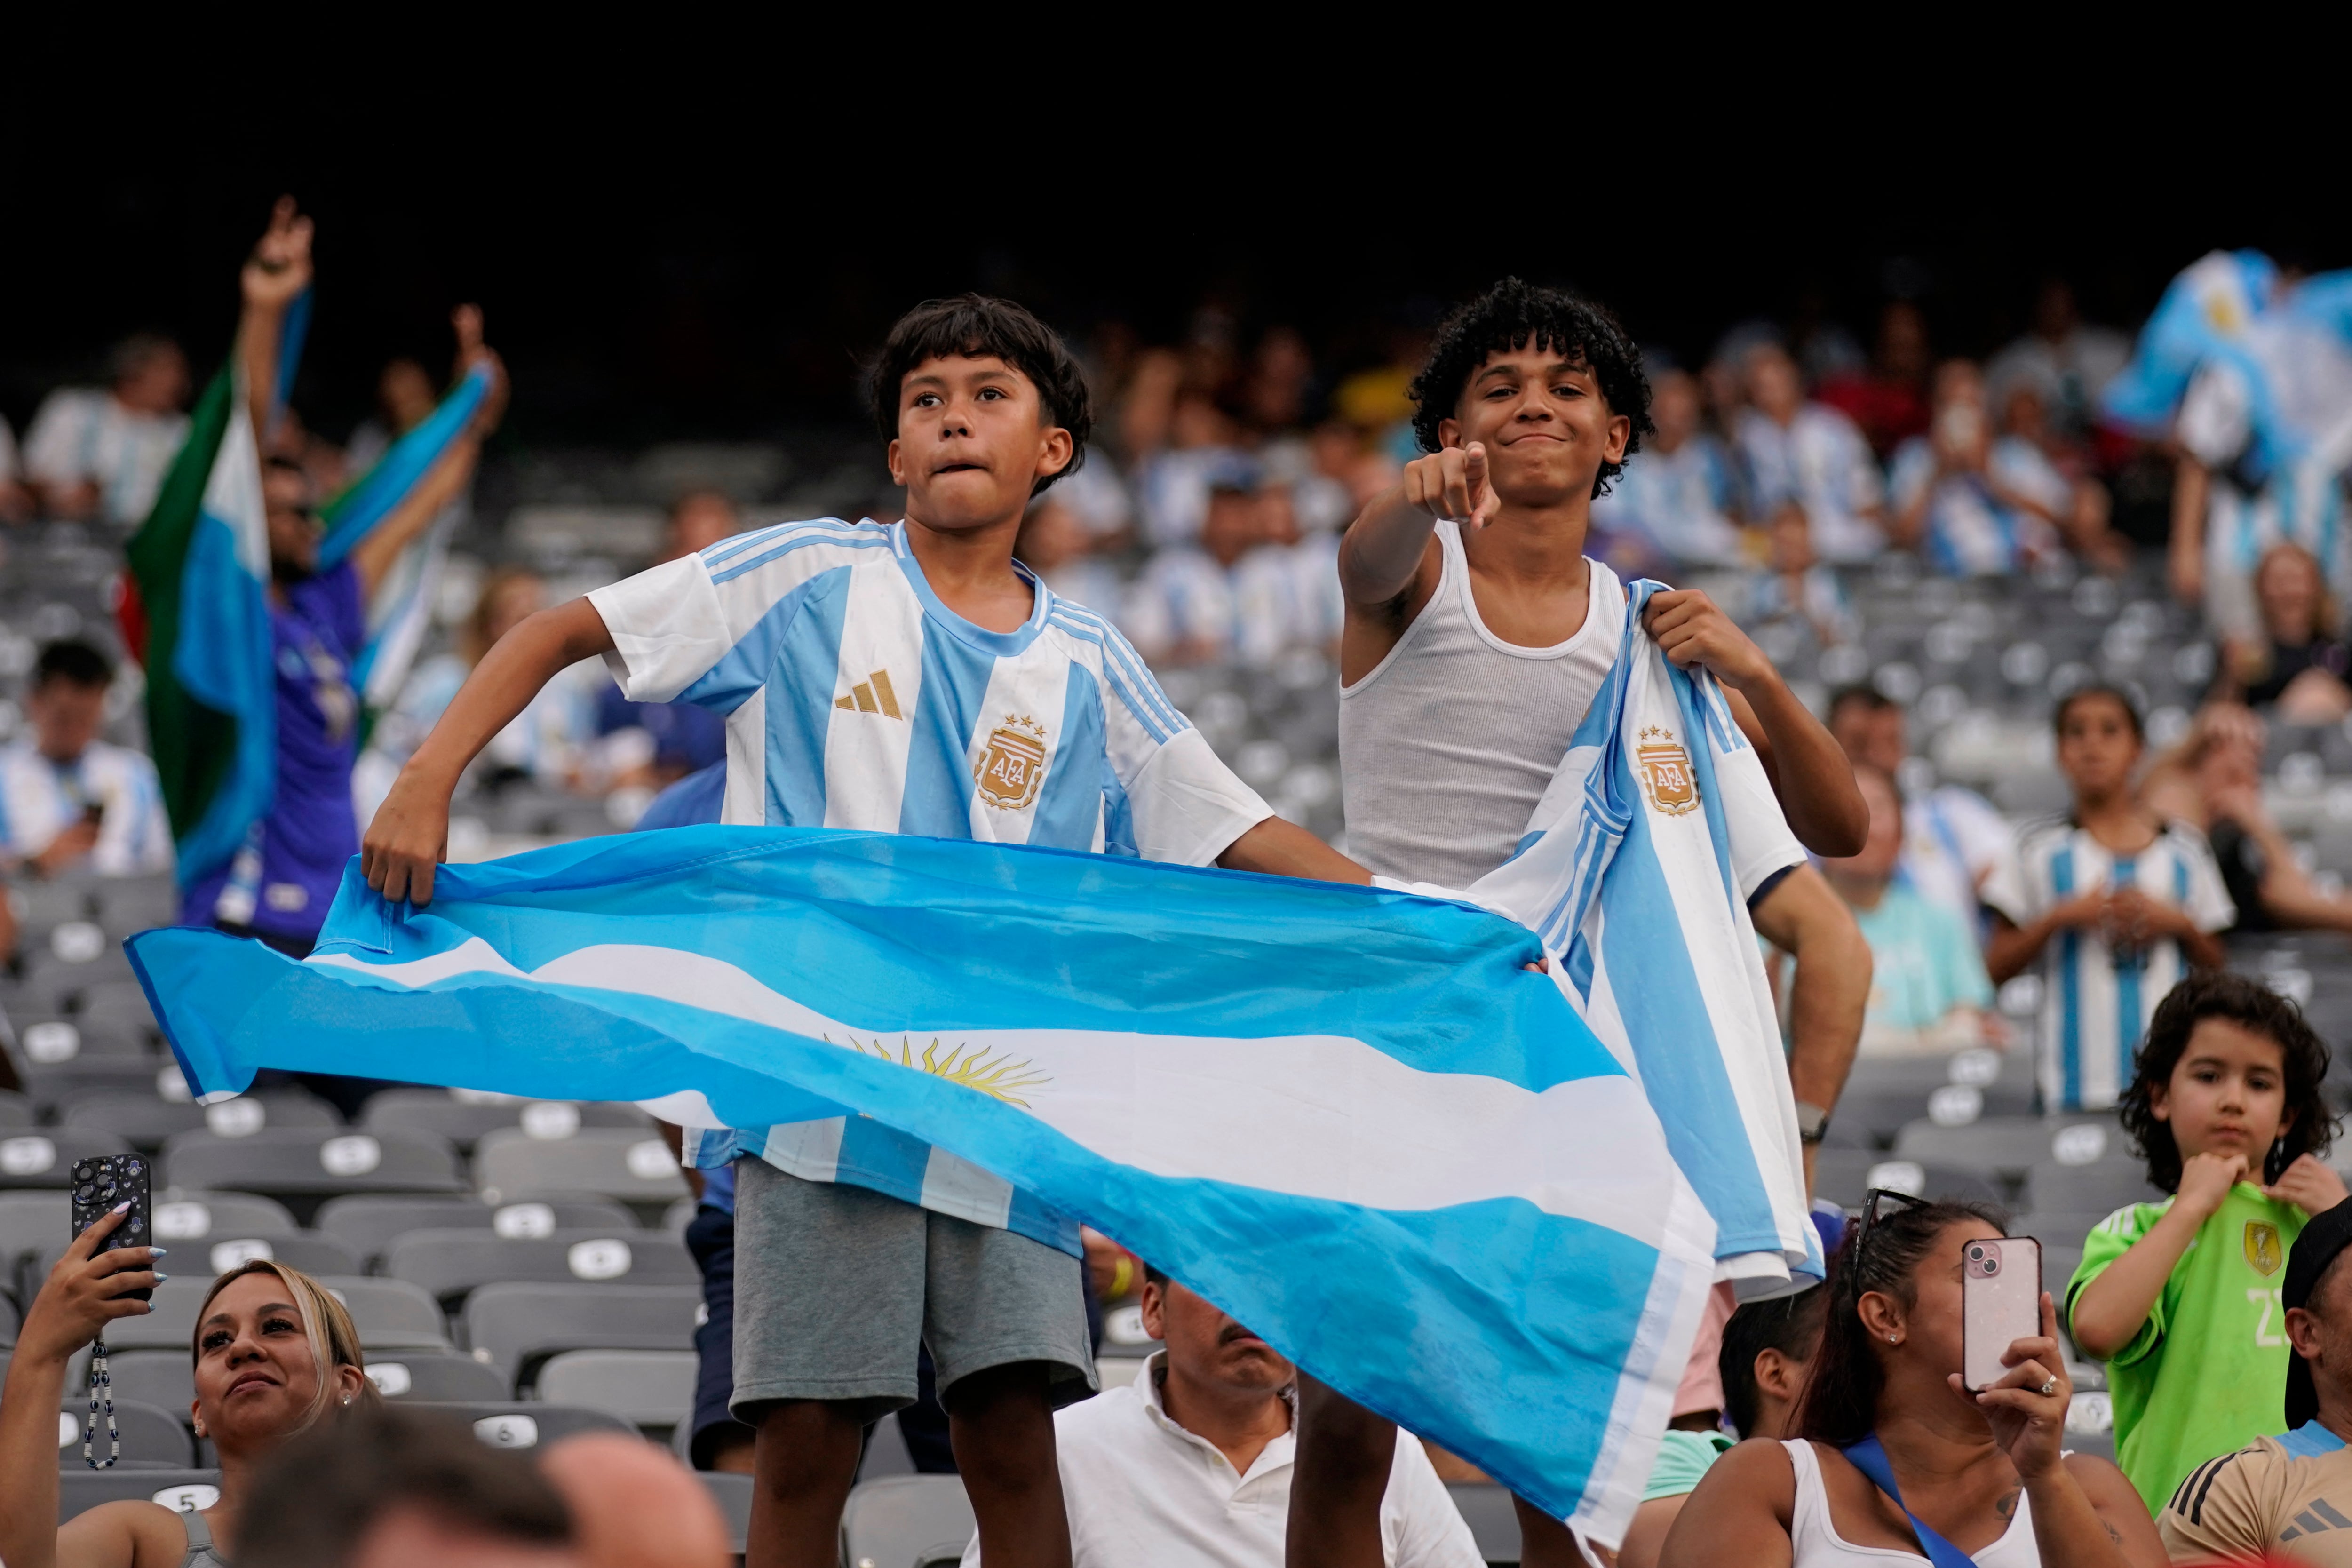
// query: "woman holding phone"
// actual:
[[1896, 1454], [274, 1353]]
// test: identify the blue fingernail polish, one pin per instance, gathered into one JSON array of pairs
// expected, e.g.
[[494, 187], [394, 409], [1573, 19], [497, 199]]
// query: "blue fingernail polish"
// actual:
[[160, 1278], [157, 1251]]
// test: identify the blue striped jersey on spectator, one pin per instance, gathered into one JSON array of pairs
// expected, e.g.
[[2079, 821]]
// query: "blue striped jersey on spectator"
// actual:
[[40, 799]]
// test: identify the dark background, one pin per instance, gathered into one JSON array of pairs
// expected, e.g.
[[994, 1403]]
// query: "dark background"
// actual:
[[644, 293]]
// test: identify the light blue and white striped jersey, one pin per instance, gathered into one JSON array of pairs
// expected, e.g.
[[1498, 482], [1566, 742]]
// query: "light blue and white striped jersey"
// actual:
[[855, 699], [1821, 462], [1680, 502], [40, 799], [2096, 1000]]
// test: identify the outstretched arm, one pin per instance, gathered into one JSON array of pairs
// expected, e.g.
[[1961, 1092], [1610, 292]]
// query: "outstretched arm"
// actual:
[[411, 830], [277, 271]]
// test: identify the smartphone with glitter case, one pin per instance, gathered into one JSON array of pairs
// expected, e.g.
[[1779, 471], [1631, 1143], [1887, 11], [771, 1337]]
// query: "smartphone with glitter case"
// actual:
[[2000, 1303], [101, 1183]]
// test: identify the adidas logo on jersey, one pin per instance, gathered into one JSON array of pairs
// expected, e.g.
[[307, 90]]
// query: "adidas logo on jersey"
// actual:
[[872, 695]]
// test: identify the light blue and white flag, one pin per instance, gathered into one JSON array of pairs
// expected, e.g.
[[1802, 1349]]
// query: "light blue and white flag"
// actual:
[[1349, 1117], [1636, 872]]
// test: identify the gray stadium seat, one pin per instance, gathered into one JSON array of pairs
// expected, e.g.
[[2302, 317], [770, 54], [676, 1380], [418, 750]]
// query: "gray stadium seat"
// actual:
[[631, 1165], [151, 1435], [466, 1121], [10, 1322], [522, 1325], [517, 1423], [121, 1008], [2103, 1185], [129, 905], [732, 1493], [48, 1040], [148, 1121], [183, 1214], [15, 1109], [217, 1254], [439, 1379], [450, 1263], [50, 1087], [82, 1490], [1845, 1175], [164, 1379], [2002, 1146], [303, 1166], [44, 1157], [30, 1222], [369, 1225], [1493, 1522], [651, 1388], [390, 1314], [911, 1519], [2054, 1229], [171, 1325]]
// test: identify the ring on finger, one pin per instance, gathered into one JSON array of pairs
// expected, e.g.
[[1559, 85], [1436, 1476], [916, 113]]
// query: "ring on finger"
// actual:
[[2049, 1387]]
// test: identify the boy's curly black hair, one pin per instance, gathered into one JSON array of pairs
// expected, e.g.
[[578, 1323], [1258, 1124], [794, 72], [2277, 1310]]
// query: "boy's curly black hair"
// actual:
[[972, 326], [2251, 1005], [1510, 314]]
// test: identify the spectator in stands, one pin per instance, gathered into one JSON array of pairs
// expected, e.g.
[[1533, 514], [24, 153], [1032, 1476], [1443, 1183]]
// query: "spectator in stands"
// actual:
[[396, 1488], [16, 500], [1056, 544], [101, 453], [1174, 485], [1796, 586], [276, 1356], [1974, 505], [2213, 778], [2028, 441], [1810, 454], [2065, 353], [1180, 609], [1192, 1461], [1888, 403], [2279, 1498], [68, 800], [1884, 1418], [1952, 836], [2176, 1297], [1678, 499], [2298, 665], [633, 1506], [2115, 902], [1768, 1348], [1928, 993], [404, 398]]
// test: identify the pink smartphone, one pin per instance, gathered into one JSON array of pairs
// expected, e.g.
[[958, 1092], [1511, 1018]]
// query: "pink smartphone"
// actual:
[[2000, 1303]]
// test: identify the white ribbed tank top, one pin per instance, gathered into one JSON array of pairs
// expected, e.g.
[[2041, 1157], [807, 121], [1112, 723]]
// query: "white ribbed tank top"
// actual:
[[1447, 745], [1817, 1543]]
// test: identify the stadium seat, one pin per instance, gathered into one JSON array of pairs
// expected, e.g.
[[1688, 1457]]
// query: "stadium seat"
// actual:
[[171, 1325], [522, 1325], [311, 1253], [183, 1214], [30, 1222], [1845, 1175], [443, 1378], [1493, 1522], [448, 1264], [651, 1388], [15, 1109], [51, 1085], [303, 1166], [2103, 1185], [630, 1165], [515, 1424], [80, 1489], [46, 1038], [129, 905], [165, 1379], [148, 1121], [369, 1225], [390, 1314], [44, 1157], [732, 1493], [466, 1120], [10, 1322], [121, 1008], [2007, 1146], [912, 1520]]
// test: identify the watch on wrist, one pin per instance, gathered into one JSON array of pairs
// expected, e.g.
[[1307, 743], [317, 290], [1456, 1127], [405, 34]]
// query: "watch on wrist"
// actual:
[[1812, 1122]]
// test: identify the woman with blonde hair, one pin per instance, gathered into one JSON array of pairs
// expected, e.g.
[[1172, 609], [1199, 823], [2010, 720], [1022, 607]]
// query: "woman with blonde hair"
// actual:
[[2298, 667], [275, 1353]]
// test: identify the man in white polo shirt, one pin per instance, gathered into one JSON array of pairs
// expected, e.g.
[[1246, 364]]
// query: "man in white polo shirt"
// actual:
[[1192, 1463]]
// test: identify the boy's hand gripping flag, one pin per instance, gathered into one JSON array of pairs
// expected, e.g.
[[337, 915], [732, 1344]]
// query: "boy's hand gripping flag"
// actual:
[[1350, 1117]]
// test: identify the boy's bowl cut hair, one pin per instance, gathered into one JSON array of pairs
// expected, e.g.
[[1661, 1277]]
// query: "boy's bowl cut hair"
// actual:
[[2091, 692], [972, 326], [2251, 1005], [1511, 313]]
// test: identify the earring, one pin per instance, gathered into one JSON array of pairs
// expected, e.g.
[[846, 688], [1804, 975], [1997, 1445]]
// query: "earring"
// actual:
[[200, 1429], [346, 1399]]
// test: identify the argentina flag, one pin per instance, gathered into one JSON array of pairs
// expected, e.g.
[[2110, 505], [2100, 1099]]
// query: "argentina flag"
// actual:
[[1636, 872], [1349, 1117]]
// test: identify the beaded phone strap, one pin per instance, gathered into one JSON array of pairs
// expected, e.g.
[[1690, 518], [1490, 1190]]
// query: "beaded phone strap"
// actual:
[[101, 1385]]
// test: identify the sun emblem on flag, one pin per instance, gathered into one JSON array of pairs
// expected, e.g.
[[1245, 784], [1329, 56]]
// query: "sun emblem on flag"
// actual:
[[990, 1072], [1011, 764], [1666, 771]]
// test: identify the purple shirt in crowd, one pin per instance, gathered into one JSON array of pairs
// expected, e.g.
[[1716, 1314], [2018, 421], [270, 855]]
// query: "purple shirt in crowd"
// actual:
[[312, 831]]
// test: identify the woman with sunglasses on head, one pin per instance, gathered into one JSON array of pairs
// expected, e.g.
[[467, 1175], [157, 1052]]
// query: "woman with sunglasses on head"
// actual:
[[274, 1354], [1964, 1478]]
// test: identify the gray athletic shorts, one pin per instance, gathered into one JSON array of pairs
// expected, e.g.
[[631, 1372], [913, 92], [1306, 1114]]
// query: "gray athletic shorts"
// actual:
[[835, 1286]]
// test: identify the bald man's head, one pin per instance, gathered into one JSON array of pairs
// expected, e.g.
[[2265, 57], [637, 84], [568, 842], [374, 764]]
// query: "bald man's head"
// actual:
[[634, 1506]]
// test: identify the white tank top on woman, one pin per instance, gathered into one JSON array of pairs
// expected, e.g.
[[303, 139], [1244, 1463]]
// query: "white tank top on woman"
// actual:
[[1446, 746], [1816, 1543]]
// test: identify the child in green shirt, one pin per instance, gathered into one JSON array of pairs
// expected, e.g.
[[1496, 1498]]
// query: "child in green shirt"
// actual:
[[2181, 1299]]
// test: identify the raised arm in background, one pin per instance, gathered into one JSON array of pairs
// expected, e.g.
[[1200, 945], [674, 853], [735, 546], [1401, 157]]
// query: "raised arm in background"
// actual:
[[277, 271], [373, 555]]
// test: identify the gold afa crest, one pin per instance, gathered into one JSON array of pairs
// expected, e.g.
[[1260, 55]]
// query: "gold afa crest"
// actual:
[[1013, 764], [1666, 771], [2263, 1250]]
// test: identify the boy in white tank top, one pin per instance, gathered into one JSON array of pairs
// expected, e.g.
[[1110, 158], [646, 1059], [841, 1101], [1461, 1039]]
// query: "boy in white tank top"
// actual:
[[1478, 635]]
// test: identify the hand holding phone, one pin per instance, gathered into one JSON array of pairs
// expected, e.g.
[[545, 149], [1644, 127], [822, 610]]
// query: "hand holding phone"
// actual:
[[2000, 1303], [99, 1185]]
